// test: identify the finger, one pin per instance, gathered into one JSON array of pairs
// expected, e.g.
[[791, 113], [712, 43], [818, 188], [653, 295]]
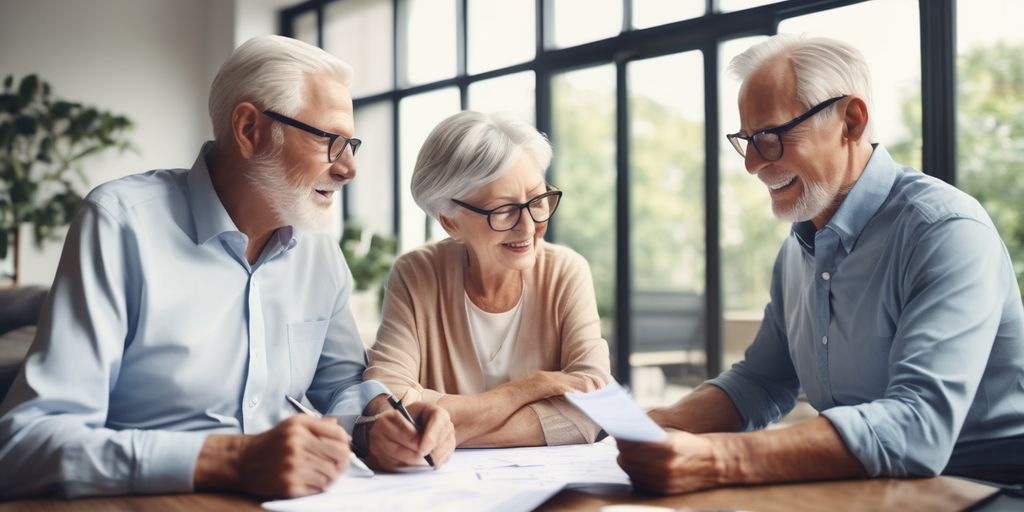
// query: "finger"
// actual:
[[387, 447], [437, 424], [337, 452], [318, 472], [445, 449], [397, 429]]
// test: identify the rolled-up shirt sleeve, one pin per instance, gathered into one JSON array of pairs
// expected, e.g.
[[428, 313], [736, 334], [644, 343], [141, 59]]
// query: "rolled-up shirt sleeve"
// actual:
[[953, 294], [52, 422], [764, 385]]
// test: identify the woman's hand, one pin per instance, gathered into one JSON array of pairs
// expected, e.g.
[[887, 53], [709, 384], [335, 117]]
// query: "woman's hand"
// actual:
[[542, 384]]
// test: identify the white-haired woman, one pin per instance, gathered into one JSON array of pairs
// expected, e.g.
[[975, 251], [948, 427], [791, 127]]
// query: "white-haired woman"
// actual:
[[492, 324]]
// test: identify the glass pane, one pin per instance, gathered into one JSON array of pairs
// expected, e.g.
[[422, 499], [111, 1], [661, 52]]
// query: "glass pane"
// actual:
[[500, 33], [428, 30], [359, 33], [650, 13], [418, 115], [370, 194], [666, 125], [895, 62], [750, 234], [511, 93], [739, 5], [583, 126], [304, 27], [582, 21], [990, 124]]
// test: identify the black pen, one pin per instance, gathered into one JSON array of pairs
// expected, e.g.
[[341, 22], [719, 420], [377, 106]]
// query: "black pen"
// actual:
[[306, 410], [396, 405]]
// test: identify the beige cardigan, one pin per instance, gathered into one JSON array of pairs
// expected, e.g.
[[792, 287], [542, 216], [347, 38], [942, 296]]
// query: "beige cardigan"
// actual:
[[424, 350]]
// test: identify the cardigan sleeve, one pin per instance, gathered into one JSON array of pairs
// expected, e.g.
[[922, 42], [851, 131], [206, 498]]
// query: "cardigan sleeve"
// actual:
[[395, 356], [583, 351]]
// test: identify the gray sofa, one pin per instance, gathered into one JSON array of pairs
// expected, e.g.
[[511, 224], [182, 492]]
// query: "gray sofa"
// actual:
[[19, 312]]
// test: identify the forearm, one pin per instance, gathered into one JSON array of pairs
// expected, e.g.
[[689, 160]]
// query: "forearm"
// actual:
[[707, 409], [521, 429], [810, 450], [217, 465], [484, 413]]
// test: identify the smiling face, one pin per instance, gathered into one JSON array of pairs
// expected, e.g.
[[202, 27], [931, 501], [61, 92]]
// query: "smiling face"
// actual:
[[810, 179], [496, 251], [295, 177]]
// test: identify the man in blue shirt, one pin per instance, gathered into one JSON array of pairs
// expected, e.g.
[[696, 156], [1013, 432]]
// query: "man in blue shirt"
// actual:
[[189, 303], [894, 306]]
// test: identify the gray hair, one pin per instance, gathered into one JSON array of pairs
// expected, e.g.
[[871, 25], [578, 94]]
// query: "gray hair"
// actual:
[[469, 150], [824, 68], [271, 72]]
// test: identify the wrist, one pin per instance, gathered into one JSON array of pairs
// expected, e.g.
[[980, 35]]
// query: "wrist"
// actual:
[[218, 464], [731, 456]]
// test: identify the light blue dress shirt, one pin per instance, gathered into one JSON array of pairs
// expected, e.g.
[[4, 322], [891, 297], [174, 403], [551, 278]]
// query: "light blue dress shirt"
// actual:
[[901, 320], [157, 332]]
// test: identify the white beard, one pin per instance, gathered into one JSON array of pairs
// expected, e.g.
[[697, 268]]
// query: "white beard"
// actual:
[[293, 204], [814, 200]]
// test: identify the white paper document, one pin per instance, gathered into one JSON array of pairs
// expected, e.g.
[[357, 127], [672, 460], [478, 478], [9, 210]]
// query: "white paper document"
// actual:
[[506, 479], [617, 413]]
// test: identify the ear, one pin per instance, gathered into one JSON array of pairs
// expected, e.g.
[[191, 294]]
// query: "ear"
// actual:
[[449, 225], [855, 121], [245, 129]]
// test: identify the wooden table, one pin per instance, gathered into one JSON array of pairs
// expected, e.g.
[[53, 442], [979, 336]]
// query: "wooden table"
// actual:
[[929, 494]]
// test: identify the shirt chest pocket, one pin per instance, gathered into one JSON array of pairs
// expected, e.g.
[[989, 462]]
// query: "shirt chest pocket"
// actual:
[[305, 342]]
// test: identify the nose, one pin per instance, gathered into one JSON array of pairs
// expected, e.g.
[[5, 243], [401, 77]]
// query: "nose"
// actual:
[[752, 160], [344, 168], [526, 223]]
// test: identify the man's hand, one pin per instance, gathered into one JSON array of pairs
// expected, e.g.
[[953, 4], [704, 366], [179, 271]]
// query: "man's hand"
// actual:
[[300, 456], [394, 443], [684, 462]]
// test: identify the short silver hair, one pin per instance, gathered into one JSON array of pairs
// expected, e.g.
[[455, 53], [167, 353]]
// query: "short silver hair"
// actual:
[[824, 68], [469, 150], [270, 71]]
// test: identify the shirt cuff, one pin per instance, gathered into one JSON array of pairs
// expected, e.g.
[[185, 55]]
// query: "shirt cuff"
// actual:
[[166, 461], [737, 388], [865, 440], [354, 402]]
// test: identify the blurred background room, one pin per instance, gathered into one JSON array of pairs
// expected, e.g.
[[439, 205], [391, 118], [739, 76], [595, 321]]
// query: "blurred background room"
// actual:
[[633, 94]]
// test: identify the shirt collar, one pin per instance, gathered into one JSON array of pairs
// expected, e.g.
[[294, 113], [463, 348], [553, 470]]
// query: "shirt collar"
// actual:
[[859, 206], [208, 213]]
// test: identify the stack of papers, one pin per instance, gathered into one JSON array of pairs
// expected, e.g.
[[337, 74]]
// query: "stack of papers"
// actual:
[[505, 479]]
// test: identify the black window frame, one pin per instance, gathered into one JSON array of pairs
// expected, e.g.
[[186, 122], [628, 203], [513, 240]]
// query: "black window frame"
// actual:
[[704, 33]]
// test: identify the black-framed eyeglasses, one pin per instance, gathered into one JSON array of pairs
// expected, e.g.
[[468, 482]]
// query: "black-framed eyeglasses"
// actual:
[[507, 216], [768, 142], [334, 152]]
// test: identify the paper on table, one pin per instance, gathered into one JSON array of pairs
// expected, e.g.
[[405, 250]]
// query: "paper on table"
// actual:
[[617, 413], [504, 479]]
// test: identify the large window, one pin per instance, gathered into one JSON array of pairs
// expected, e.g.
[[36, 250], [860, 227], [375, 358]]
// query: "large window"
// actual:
[[636, 99]]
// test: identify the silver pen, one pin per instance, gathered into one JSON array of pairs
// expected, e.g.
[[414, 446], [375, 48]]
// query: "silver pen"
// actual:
[[356, 461]]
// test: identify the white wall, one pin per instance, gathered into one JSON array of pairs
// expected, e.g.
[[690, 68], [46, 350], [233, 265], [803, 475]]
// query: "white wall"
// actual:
[[151, 60]]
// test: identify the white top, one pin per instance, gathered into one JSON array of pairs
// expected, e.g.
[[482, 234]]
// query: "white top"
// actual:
[[494, 335]]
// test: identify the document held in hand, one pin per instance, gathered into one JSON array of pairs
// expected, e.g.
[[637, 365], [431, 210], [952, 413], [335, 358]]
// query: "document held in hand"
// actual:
[[617, 413]]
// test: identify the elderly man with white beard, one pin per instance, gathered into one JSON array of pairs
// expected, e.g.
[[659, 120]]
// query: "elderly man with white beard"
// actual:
[[188, 304], [894, 307]]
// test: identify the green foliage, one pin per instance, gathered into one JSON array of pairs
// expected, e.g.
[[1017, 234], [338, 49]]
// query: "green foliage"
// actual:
[[369, 260], [990, 138], [43, 140]]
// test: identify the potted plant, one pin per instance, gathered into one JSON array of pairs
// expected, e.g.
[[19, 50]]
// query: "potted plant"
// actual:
[[370, 259], [43, 142]]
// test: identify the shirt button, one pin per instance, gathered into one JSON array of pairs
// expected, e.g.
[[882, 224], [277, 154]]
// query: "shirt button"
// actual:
[[824, 340], [255, 356], [826, 276], [253, 401]]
